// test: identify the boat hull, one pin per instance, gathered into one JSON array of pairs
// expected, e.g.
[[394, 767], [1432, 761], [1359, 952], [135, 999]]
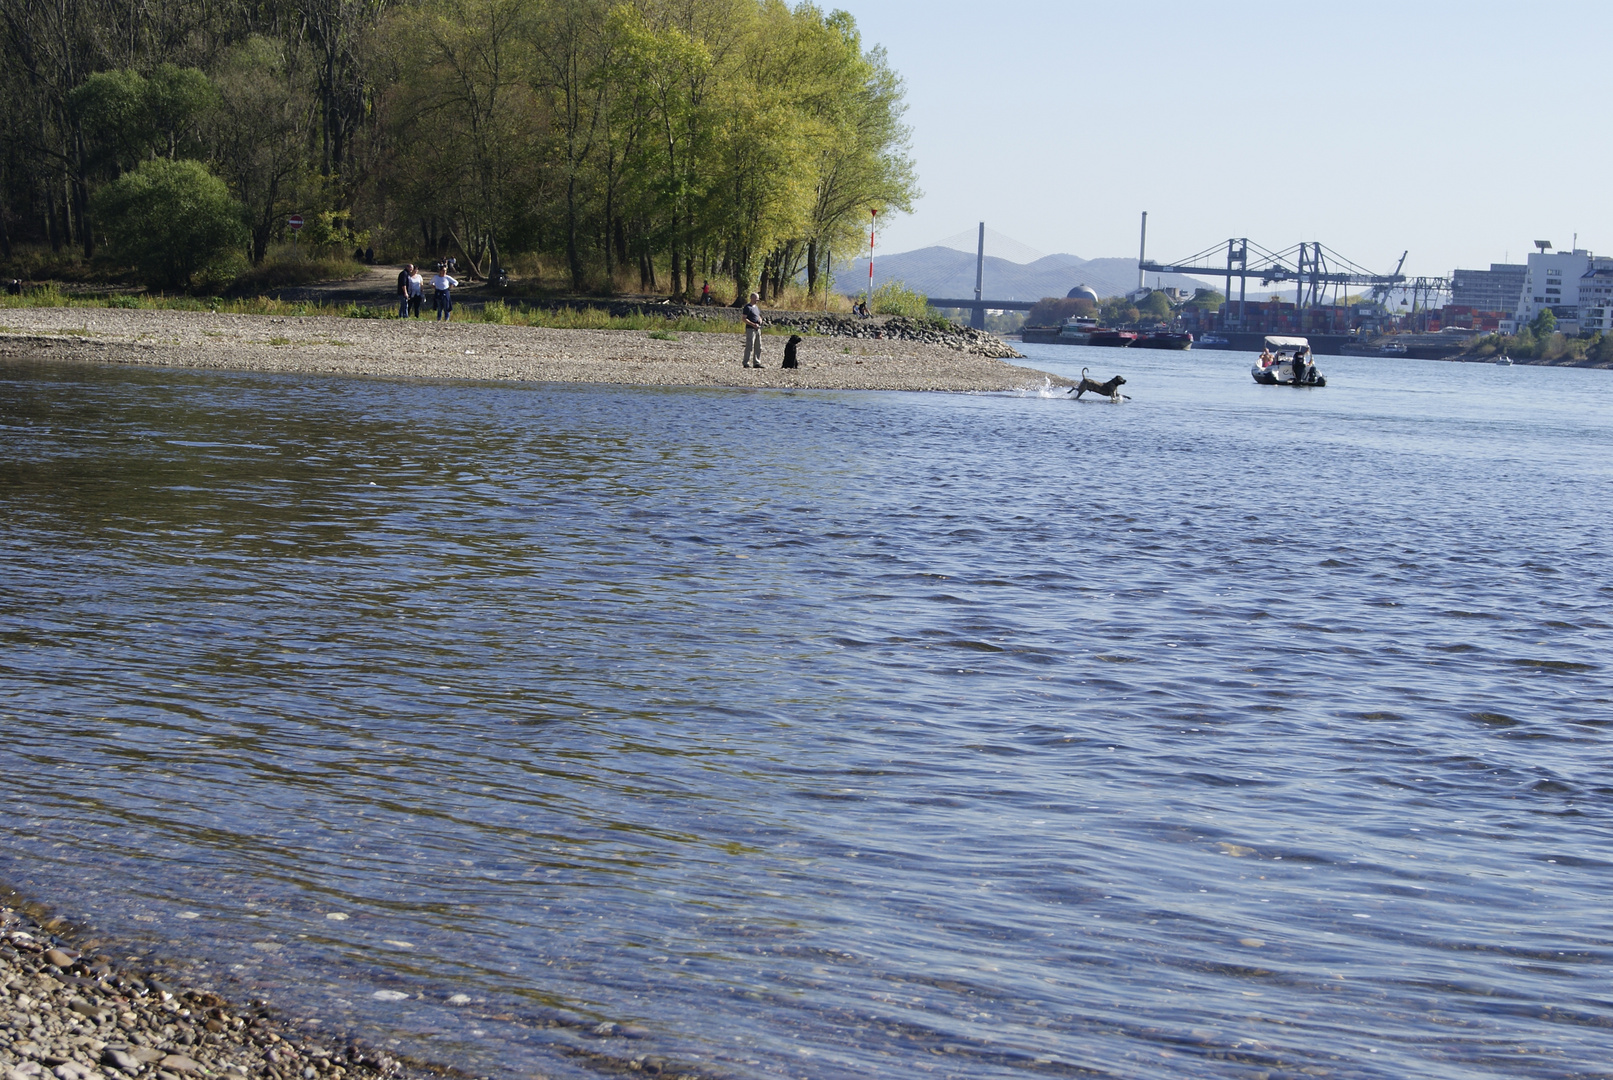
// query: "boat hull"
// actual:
[[1282, 374], [1164, 341]]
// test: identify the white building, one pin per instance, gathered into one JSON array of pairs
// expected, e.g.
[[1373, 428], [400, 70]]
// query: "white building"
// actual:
[[1555, 280]]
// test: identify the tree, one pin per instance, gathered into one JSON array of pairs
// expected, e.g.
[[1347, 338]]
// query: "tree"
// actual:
[[260, 135], [1544, 324], [463, 120], [1056, 310], [172, 220], [1156, 305]]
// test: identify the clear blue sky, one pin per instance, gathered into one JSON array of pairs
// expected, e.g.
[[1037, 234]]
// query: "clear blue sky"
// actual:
[[1460, 131]]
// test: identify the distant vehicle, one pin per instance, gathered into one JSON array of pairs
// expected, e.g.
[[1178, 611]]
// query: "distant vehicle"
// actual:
[[1280, 371]]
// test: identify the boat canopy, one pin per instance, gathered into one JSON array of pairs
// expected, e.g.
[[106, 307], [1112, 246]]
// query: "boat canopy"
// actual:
[[1286, 344]]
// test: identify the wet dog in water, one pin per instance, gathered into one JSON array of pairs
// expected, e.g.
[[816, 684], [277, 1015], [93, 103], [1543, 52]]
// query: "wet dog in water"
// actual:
[[789, 351], [1110, 389]]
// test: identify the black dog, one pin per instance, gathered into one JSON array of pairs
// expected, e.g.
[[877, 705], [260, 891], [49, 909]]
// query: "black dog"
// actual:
[[789, 351], [1110, 389]]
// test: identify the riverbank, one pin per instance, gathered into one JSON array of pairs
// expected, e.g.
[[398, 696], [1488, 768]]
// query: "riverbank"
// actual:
[[397, 348], [67, 1014]]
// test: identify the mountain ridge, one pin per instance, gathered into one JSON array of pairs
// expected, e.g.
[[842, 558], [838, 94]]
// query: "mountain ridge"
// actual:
[[947, 272]]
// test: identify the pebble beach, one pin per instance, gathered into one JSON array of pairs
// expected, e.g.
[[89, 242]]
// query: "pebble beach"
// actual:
[[71, 1013], [410, 348]]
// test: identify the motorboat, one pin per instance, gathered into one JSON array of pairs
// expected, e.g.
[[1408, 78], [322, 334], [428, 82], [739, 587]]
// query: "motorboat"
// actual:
[[1503, 360], [1394, 348], [1280, 370], [1213, 341]]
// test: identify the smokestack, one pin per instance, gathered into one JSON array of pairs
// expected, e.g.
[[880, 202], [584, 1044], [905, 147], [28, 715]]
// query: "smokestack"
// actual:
[[1142, 250]]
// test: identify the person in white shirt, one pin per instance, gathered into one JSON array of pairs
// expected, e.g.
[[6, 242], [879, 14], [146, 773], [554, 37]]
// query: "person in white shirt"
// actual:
[[445, 297], [416, 286]]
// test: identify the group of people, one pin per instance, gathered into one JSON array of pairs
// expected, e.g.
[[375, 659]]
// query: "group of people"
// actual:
[[1304, 370], [411, 291]]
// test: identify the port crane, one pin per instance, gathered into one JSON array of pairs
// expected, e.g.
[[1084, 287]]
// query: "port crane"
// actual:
[[1310, 266]]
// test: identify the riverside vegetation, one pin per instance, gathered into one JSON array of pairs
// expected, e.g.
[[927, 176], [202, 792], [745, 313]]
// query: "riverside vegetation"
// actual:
[[583, 144], [1541, 342]]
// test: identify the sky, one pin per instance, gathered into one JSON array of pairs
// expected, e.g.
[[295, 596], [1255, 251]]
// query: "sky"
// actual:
[[1460, 132]]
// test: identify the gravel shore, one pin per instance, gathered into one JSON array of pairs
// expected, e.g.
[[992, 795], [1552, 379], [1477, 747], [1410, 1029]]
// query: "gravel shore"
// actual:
[[66, 1015], [398, 348]]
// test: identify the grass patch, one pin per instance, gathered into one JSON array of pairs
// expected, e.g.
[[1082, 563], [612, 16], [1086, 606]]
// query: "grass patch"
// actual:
[[494, 312], [662, 335], [282, 270]]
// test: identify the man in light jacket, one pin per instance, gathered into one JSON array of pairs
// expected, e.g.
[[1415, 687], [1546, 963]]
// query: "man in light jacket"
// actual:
[[753, 331]]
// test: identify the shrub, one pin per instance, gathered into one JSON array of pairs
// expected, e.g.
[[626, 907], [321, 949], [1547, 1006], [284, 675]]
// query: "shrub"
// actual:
[[286, 268], [173, 221], [895, 298]]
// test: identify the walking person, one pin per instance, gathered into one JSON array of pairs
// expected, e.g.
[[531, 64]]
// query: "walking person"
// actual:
[[752, 315], [444, 285]]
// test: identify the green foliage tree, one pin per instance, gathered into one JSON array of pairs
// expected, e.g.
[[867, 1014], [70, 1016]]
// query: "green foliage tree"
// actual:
[[1155, 306], [260, 134], [1601, 351], [1206, 300], [1544, 324], [738, 139], [1056, 310], [127, 117], [1118, 311], [173, 220]]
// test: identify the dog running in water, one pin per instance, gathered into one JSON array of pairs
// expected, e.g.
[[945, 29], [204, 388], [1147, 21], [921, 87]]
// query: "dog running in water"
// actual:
[[1110, 389], [789, 351]]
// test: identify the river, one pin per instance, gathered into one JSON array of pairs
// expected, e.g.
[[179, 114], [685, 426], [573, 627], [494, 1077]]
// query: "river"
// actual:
[[1230, 731]]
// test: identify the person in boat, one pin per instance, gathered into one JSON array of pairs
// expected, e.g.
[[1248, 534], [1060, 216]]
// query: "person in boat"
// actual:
[[1304, 373], [1266, 359]]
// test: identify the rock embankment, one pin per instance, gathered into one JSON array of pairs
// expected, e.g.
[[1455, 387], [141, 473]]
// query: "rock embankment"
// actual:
[[66, 1015], [940, 332]]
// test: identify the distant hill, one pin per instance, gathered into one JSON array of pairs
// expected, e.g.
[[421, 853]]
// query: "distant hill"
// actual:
[[940, 271]]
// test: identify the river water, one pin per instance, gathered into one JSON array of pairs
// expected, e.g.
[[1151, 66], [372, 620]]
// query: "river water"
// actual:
[[1231, 731]]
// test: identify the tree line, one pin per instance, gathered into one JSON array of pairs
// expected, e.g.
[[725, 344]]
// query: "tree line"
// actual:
[[656, 142]]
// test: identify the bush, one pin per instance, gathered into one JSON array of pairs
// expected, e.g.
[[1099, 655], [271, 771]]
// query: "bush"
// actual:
[[173, 221], [286, 268], [894, 298]]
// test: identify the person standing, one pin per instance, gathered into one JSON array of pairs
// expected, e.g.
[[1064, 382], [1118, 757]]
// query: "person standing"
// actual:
[[752, 315], [417, 289], [403, 291], [444, 285]]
